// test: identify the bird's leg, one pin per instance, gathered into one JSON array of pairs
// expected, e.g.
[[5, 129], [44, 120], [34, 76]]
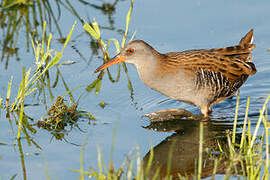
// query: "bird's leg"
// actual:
[[206, 111], [171, 114]]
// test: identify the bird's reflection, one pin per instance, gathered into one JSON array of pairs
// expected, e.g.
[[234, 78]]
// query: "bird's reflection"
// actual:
[[185, 152]]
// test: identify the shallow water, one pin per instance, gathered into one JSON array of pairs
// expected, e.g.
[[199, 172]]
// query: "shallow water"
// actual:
[[173, 26]]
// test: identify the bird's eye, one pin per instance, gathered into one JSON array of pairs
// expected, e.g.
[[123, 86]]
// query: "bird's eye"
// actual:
[[130, 51]]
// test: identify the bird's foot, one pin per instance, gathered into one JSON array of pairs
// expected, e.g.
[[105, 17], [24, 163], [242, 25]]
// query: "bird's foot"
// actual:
[[172, 114]]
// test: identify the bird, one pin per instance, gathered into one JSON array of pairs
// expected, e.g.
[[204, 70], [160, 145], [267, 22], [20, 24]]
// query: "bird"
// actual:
[[200, 77]]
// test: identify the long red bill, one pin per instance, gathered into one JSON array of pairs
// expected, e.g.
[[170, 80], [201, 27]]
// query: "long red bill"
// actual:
[[115, 60]]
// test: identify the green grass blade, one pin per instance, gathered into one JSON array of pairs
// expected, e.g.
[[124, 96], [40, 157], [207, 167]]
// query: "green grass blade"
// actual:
[[9, 91], [22, 104], [81, 161], [200, 152], [235, 117], [116, 44], [133, 35], [43, 38], [90, 87], [169, 163], [245, 124], [91, 31], [68, 37], [150, 160], [96, 28], [33, 46], [49, 42], [258, 124], [1, 99], [127, 23], [98, 86], [30, 91]]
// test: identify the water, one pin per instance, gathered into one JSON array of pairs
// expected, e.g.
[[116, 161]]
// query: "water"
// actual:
[[173, 26]]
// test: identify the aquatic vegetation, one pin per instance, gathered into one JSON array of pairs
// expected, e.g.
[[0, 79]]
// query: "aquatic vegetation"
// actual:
[[61, 116], [235, 154], [242, 152], [29, 16], [16, 15], [94, 30], [44, 61]]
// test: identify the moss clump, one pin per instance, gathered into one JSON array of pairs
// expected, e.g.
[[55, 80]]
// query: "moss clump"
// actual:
[[59, 116]]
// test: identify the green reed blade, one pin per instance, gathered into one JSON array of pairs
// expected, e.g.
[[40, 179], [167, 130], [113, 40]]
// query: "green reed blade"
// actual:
[[100, 169], [98, 86], [43, 37], [22, 105], [200, 152], [91, 31], [133, 35], [33, 46], [96, 28], [49, 42], [127, 23], [116, 44], [245, 124], [30, 91], [138, 158], [81, 159], [90, 87], [150, 160], [68, 37], [8, 92], [258, 123], [235, 117], [27, 76]]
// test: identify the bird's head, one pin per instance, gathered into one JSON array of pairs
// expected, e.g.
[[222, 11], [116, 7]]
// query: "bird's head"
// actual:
[[135, 52]]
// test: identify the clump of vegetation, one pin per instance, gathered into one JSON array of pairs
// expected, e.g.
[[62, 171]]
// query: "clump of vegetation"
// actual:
[[46, 58], [60, 115]]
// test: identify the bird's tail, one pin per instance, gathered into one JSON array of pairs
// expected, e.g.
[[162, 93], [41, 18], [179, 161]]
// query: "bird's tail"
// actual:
[[247, 39]]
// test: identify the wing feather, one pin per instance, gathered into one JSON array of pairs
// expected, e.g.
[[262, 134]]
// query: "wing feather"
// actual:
[[195, 60]]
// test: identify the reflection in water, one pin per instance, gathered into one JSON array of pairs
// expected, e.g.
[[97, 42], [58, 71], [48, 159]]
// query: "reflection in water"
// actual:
[[27, 126], [185, 152], [22, 158], [107, 9], [29, 16]]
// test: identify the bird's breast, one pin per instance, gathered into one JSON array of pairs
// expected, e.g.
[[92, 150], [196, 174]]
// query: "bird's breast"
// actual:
[[175, 85]]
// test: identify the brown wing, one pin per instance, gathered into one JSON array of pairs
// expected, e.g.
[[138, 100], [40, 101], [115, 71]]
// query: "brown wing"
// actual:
[[232, 62], [197, 60]]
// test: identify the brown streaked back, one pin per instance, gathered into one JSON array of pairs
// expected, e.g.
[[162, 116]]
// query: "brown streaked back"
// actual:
[[232, 62], [193, 61]]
